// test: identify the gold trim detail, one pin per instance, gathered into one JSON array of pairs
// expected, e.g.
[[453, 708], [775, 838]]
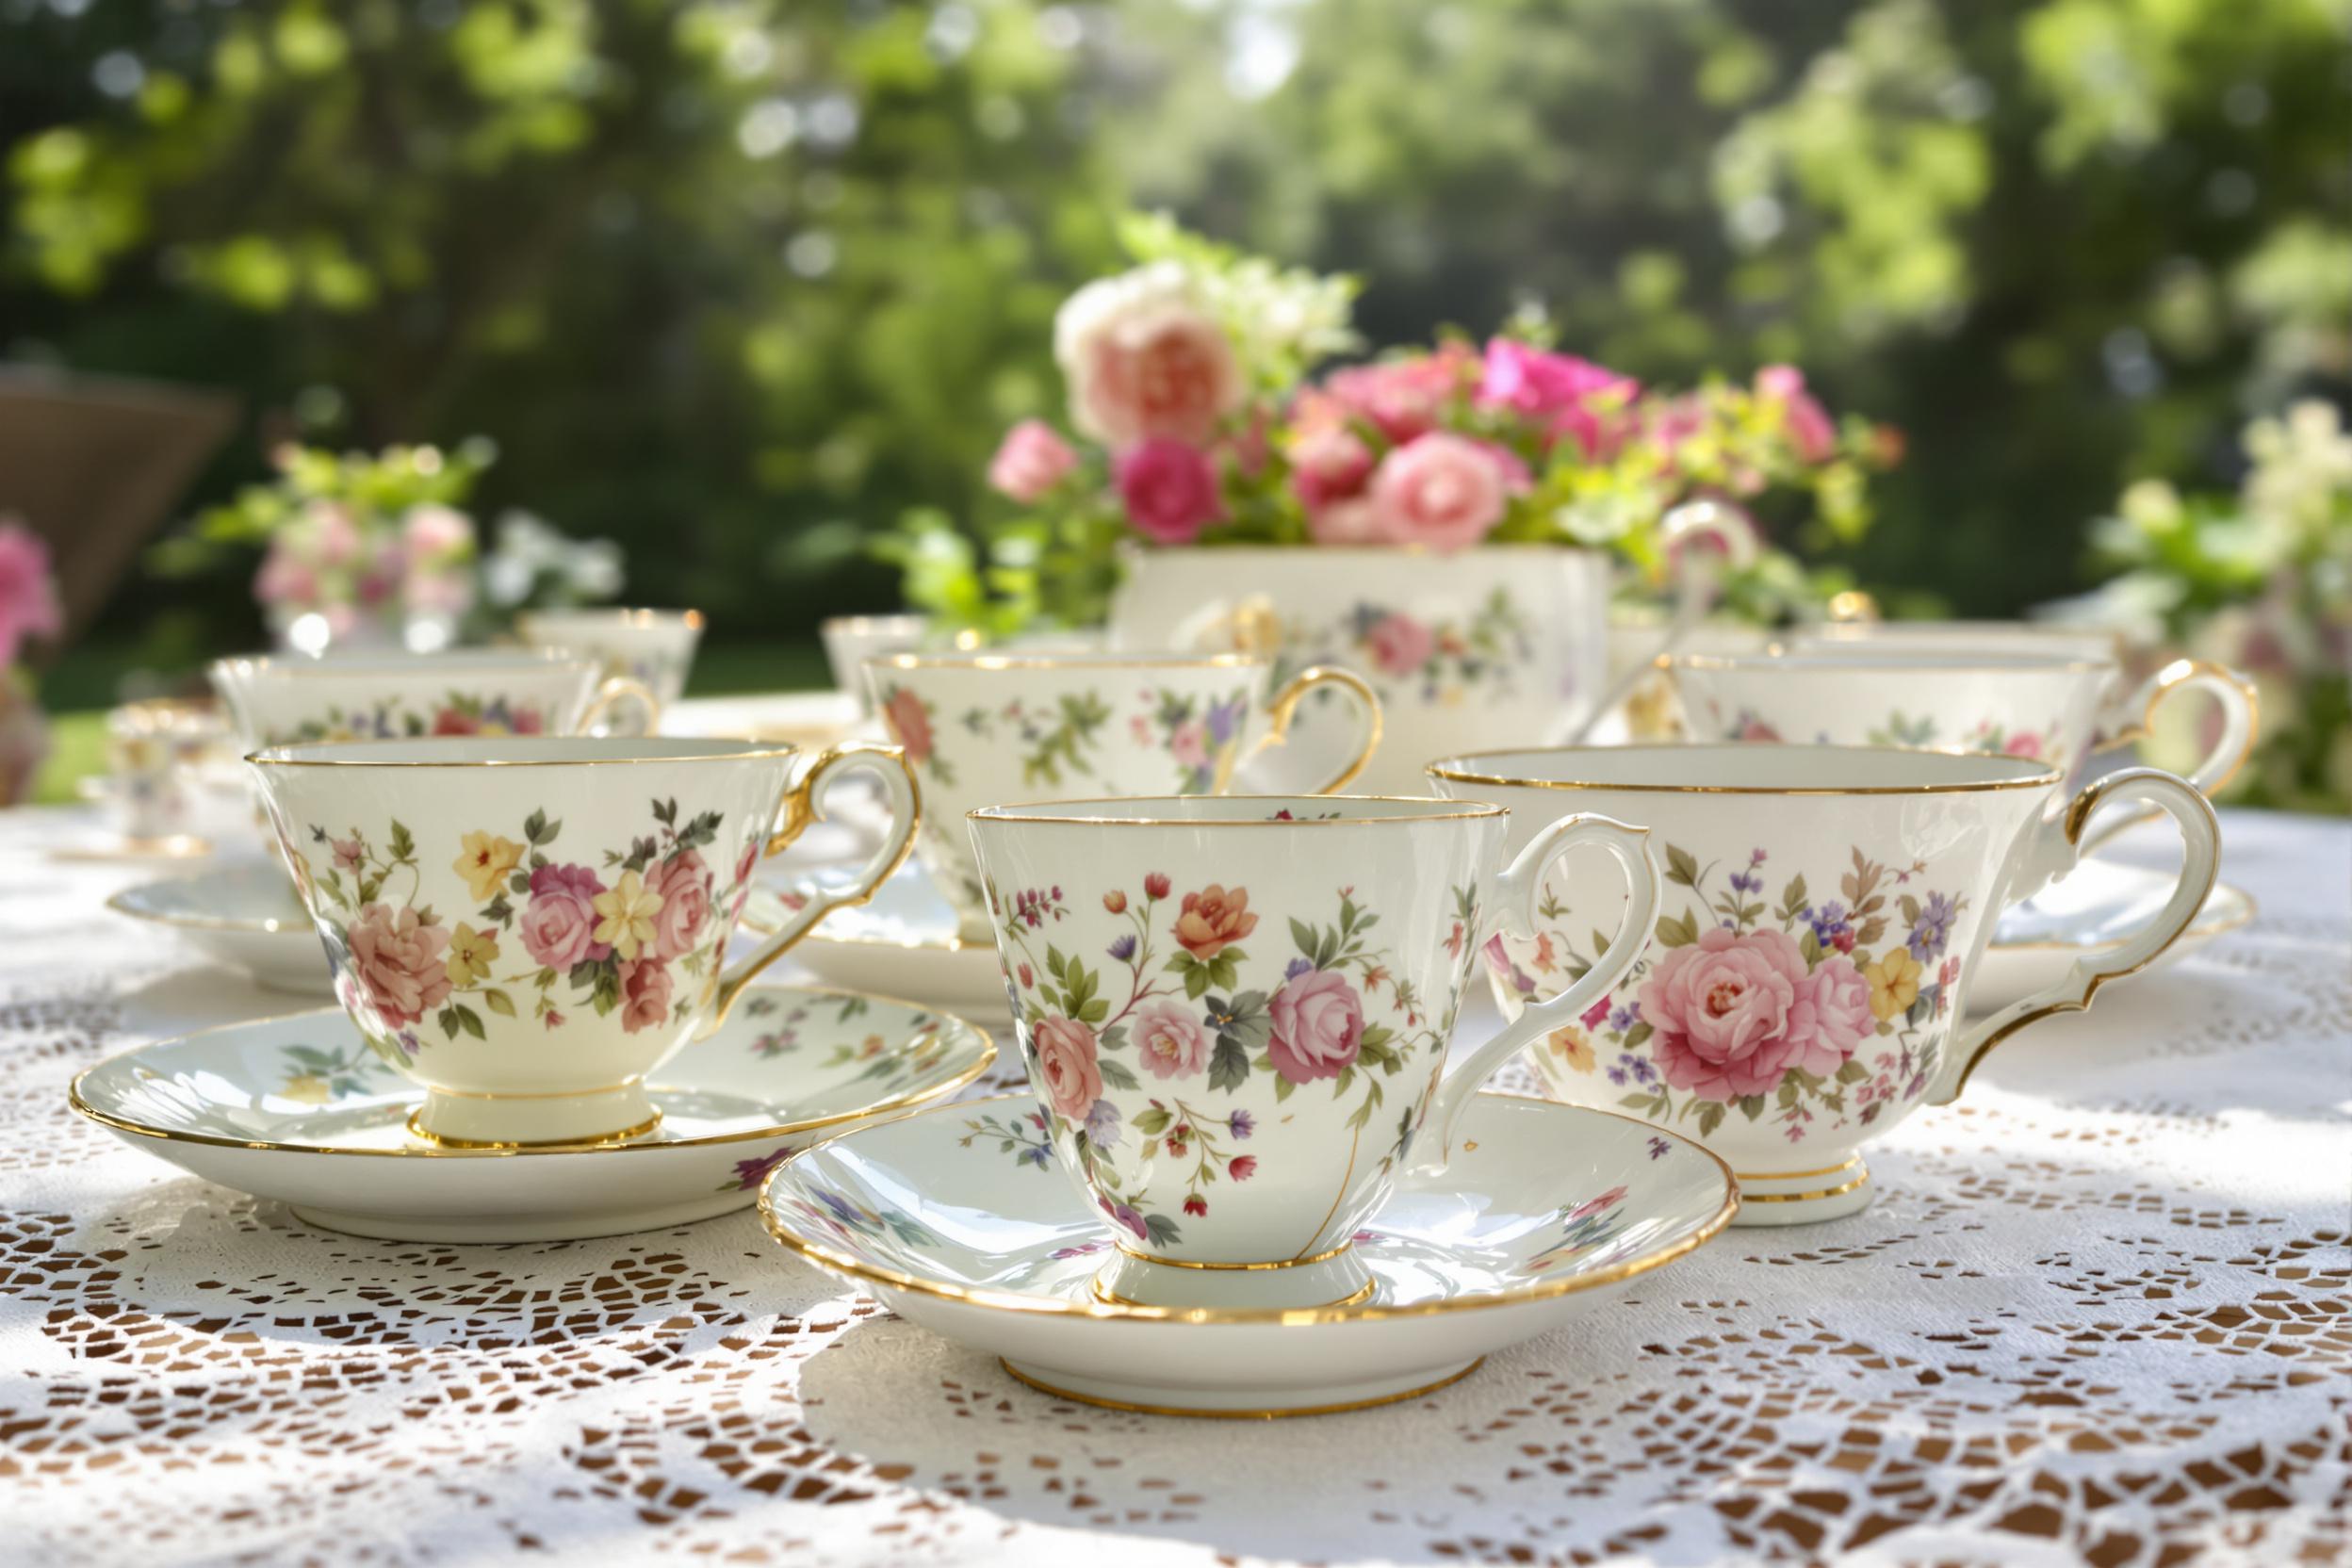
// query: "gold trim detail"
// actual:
[[1805, 1197], [601, 1140], [1053, 1306], [279, 757], [1276, 1414], [905, 1102], [1101, 1292], [604, 618], [1884, 658], [1460, 775], [1018, 816], [1284, 708], [2179, 673], [1074, 660], [1847, 1164], [1235, 1267]]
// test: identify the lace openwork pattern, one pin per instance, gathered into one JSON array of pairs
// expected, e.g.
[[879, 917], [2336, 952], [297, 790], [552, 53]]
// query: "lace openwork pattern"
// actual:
[[2098, 1313]]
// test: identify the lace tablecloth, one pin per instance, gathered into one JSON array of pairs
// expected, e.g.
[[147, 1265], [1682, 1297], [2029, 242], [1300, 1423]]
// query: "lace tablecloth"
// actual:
[[2097, 1314]]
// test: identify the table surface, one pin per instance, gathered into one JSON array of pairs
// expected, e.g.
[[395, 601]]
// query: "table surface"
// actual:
[[2099, 1312]]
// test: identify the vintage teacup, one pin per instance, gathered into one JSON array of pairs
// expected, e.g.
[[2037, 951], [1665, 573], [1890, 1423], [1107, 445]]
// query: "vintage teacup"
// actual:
[[154, 751], [985, 729], [527, 928], [851, 640], [654, 647], [1236, 1012], [2051, 638], [1827, 908], [408, 695], [2052, 709]]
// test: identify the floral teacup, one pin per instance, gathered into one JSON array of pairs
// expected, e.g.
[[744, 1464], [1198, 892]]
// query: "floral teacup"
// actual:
[[1812, 961], [529, 927], [653, 647], [403, 696], [985, 729], [2039, 705], [1236, 1013]]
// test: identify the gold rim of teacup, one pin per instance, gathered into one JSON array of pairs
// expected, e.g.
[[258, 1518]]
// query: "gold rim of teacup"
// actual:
[[281, 757], [1880, 660], [361, 666], [1463, 770], [603, 616], [1023, 814], [1074, 660]]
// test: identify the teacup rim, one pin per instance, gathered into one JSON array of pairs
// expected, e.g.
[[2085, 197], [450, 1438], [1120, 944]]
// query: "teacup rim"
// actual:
[[290, 756], [1954, 661], [984, 658], [609, 613], [1462, 768], [1022, 813], [395, 662]]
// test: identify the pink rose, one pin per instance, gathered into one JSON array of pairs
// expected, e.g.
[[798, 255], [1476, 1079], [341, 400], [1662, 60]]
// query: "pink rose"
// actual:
[[1399, 644], [910, 724], [1809, 428], [559, 924], [1144, 360], [1831, 1017], [2024, 743], [684, 883], [1170, 489], [1031, 461], [1407, 398], [396, 961], [1169, 1041], [435, 535], [1723, 1009], [1189, 744], [645, 994], [1567, 395], [1327, 463], [285, 579], [1355, 521], [1066, 1065], [1441, 490], [1318, 1026]]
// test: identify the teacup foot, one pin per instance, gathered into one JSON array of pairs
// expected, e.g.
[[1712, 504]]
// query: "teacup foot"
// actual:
[[534, 1121], [1252, 1403], [1336, 1277], [1805, 1197]]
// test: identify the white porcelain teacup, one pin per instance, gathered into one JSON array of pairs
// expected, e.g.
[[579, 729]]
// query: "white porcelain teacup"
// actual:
[[1236, 1012], [281, 701], [1826, 909], [529, 927], [987, 728], [654, 647], [2042, 705]]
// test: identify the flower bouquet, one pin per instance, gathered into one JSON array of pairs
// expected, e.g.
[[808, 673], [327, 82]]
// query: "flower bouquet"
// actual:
[[29, 607]]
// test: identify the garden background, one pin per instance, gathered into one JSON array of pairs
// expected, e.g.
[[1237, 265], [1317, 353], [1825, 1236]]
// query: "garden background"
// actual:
[[736, 283]]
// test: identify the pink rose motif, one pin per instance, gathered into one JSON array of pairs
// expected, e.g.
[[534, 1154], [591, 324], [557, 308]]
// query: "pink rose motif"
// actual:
[[1066, 1065], [450, 721], [559, 924], [1031, 462], [1831, 1017], [347, 853], [1170, 490], [397, 960], [1405, 397], [1753, 728], [1143, 360], [909, 723], [2024, 743], [1809, 428], [1318, 1026], [645, 994], [1327, 463], [1441, 490], [1169, 1041], [1725, 1011], [684, 883], [1189, 744], [28, 592], [1610, 1199], [1567, 395], [1399, 644]]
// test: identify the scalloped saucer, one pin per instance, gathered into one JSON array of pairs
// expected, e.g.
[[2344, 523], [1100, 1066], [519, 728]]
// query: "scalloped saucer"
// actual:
[[2101, 904], [298, 1109], [244, 915], [903, 941], [958, 1218]]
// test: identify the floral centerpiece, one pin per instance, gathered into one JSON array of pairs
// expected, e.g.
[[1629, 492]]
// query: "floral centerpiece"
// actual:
[[1196, 417], [2259, 581], [29, 608]]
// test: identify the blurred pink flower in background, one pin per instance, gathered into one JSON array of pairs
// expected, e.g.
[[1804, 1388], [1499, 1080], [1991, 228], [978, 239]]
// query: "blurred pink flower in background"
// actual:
[[1405, 397], [1171, 490], [28, 592], [1031, 461], [1445, 491], [1810, 428], [1144, 360], [1567, 395]]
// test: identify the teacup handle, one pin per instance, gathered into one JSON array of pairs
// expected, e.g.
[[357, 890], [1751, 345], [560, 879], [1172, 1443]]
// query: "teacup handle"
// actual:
[[802, 807], [2055, 848], [1284, 707], [2131, 719], [1694, 579], [1521, 889], [615, 691]]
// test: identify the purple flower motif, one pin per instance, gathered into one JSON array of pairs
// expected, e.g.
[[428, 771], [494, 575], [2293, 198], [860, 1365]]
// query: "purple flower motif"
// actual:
[[1641, 1070], [750, 1173], [1103, 1124], [1223, 719], [1241, 1124], [1617, 1072], [1124, 948], [1297, 968], [1933, 929], [1626, 1018], [1033, 1153], [1658, 1147]]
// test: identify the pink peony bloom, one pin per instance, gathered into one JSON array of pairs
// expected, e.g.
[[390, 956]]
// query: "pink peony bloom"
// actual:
[[1031, 461], [1143, 360], [1169, 1041], [1810, 430], [645, 994], [1066, 1070], [1404, 399], [1170, 489], [1318, 1026], [684, 883], [1567, 395], [1399, 644], [1442, 490], [396, 961], [559, 922], [1733, 1012], [1329, 463]]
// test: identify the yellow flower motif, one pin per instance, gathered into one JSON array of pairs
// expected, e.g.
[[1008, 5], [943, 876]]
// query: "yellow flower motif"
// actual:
[[488, 862], [1571, 1046], [626, 915], [471, 952], [1894, 983], [307, 1087]]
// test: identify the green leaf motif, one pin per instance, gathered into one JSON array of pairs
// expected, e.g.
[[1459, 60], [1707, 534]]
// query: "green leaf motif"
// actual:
[[1682, 867], [498, 1002]]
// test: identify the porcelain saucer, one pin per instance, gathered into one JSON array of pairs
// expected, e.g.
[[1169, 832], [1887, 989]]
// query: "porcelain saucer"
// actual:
[[244, 915], [2093, 909], [298, 1109], [959, 1220], [904, 943]]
